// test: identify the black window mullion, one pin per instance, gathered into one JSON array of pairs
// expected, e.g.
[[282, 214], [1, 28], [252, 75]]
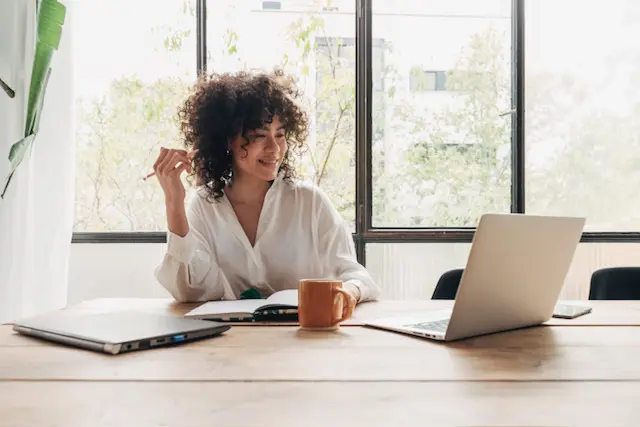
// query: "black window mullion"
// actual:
[[361, 252], [363, 123], [120, 237], [517, 117], [201, 36]]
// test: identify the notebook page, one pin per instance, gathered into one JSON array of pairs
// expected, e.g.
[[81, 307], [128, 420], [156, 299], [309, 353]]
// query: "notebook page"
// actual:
[[288, 298], [210, 309]]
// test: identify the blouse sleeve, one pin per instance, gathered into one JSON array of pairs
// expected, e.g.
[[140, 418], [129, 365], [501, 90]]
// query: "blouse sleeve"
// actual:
[[189, 270], [337, 249]]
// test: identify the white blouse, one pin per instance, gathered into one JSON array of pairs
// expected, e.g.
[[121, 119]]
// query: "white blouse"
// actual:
[[300, 236]]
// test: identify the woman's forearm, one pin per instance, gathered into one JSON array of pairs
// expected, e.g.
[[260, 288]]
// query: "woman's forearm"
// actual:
[[177, 217]]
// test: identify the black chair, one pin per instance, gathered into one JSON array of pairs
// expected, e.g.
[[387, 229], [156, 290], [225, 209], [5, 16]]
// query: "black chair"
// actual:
[[617, 283], [447, 285]]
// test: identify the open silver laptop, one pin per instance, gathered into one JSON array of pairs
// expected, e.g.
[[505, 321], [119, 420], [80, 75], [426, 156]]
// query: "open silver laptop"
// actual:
[[117, 332], [513, 278]]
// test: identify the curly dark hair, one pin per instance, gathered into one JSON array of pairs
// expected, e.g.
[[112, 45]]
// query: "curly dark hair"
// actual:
[[223, 106]]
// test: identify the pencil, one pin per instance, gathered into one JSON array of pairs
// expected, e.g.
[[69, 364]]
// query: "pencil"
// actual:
[[150, 174]]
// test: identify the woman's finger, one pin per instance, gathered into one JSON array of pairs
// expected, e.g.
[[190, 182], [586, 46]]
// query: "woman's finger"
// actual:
[[346, 313], [179, 158], [347, 310], [186, 162], [179, 169], [161, 157], [171, 161], [188, 154], [165, 162], [168, 163], [183, 152]]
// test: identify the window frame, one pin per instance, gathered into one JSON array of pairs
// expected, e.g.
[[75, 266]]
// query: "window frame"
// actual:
[[364, 231]]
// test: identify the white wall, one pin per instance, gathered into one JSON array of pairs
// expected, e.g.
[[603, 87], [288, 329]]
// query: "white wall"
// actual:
[[114, 270], [403, 270]]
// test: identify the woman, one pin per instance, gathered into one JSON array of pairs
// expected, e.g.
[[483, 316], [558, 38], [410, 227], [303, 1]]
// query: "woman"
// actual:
[[249, 224]]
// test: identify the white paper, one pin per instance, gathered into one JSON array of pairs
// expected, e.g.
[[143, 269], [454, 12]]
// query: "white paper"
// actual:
[[244, 307]]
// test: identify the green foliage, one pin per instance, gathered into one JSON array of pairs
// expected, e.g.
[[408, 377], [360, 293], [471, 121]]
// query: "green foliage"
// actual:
[[230, 42], [594, 172], [137, 115], [174, 42], [51, 15], [435, 163], [5, 87], [330, 159], [120, 138], [457, 165], [174, 36]]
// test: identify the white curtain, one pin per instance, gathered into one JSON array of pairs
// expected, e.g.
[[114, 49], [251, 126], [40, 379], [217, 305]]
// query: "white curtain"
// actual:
[[36, 215]]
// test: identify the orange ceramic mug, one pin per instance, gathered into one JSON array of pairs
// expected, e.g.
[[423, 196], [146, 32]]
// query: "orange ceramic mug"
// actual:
[[321, 304]]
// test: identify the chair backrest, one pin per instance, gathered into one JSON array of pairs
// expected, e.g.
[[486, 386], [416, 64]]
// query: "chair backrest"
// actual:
[[447, 286], [616, 283]]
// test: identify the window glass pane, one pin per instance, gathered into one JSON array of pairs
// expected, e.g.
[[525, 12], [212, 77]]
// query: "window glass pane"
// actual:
[[583, 111], [315, 42], [441, 150], [131, 73], [411, 270]]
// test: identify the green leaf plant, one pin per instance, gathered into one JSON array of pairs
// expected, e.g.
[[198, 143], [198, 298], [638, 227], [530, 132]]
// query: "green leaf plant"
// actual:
[[50, 20]]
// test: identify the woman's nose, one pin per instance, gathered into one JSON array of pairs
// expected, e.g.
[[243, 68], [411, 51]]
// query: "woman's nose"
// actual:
[[272, 144]]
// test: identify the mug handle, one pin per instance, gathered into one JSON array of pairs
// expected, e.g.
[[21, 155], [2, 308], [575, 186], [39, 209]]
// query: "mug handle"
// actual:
[[345, 297]]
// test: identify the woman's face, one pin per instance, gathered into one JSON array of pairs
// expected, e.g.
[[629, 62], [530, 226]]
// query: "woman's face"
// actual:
[[262, 156]]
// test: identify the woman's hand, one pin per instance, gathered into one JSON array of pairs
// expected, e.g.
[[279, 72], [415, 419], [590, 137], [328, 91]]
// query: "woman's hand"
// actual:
[[168, 167], [351, 301]]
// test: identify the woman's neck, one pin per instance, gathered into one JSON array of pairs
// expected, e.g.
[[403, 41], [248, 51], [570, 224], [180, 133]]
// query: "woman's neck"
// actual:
[[247, 190]]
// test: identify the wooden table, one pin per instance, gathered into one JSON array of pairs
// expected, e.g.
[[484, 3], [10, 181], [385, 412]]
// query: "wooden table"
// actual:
[[605, 313], [357, 376]]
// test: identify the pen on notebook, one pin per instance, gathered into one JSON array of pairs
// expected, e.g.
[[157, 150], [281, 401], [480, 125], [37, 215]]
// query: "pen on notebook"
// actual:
[[150, 174]]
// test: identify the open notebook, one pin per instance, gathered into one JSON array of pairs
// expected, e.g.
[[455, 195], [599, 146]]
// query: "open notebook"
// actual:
[[281, 305]]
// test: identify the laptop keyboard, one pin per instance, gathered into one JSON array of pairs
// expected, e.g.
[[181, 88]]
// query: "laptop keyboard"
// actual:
[[438, 325]]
